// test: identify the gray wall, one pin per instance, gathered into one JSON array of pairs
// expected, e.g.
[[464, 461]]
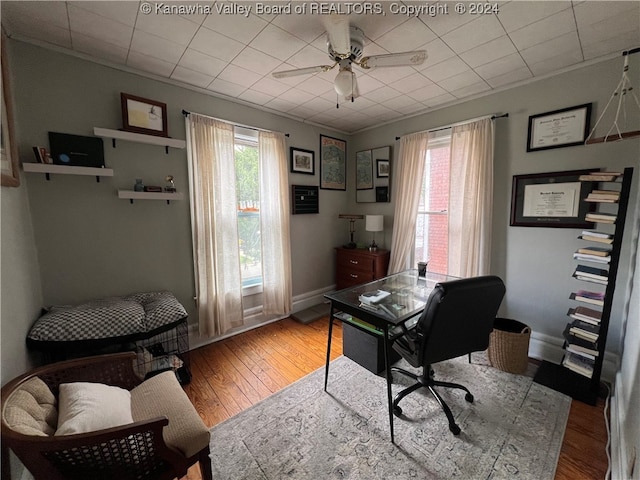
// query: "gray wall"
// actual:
[[536, 263], [92, 244]]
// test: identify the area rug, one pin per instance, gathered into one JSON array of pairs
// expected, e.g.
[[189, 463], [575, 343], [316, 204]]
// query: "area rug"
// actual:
[[513, 430]]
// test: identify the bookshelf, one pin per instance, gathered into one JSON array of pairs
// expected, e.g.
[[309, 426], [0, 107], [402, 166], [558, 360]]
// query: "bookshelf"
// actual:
[[596, 259]]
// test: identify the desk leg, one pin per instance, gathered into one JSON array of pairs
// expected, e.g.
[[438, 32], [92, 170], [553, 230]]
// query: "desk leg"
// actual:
[[387, 367], [326, 368]]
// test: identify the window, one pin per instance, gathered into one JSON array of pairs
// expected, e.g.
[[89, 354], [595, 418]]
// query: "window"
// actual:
[[248, 201], [432, 225]]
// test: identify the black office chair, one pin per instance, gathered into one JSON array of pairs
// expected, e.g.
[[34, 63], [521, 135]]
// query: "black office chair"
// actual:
[[456, 321]]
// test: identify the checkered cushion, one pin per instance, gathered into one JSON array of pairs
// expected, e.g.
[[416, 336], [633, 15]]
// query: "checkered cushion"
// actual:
[[108, 318]]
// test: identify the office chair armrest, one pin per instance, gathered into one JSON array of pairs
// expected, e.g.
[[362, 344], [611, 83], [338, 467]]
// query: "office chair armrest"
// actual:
[[406, 329]]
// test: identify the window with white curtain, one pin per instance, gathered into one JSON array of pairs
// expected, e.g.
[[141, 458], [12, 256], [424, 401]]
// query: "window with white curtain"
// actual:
[[432, 222]]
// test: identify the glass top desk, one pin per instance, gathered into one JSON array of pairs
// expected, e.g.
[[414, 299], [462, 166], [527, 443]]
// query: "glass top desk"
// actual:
[[407, 298]]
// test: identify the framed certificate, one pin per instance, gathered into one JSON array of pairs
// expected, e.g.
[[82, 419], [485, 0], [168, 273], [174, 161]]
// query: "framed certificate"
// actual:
[[561, 128], [550, 200]]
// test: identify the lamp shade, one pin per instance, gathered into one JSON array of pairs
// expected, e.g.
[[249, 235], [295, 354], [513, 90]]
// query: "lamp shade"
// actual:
[[344, 82], [374, 223]]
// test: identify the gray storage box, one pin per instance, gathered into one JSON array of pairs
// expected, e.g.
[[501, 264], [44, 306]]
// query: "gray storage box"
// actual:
[[365, 349]]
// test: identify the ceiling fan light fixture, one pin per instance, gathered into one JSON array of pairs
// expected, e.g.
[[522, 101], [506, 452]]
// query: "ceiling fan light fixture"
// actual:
[[344, 82]]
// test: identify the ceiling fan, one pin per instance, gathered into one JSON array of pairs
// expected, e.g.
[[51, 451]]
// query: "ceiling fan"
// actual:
[[345, 44]]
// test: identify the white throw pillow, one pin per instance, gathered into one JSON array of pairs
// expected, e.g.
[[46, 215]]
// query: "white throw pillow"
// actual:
[[87, 407]]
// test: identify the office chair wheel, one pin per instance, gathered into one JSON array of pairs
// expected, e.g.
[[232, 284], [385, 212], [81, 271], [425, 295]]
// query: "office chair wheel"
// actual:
[[397, 411], [469, 398], [455, 429]]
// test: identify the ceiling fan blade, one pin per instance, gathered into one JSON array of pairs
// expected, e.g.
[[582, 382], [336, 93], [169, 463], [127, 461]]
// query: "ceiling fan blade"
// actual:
[[337, 27], [394, 59], [302, 71]]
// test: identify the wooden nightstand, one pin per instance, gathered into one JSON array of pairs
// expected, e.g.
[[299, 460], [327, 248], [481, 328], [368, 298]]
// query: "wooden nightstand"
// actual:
[[357, 265]]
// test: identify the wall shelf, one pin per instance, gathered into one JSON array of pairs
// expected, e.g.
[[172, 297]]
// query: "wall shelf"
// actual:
[[48, 169], [139, 138], [132, 195]]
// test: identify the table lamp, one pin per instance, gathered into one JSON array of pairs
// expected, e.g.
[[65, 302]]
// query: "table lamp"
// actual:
[[352, 227], [374, 223]]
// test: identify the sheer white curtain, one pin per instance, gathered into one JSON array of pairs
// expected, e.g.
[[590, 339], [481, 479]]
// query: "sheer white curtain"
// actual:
[[274, 224], [410, 171], [212, 182], [471, 198]]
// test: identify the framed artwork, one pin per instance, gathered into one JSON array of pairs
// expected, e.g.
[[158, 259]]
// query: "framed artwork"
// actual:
[[302, 161], [333, 163], [382, 168], [141, 115], [364, 170], [560, 128], [551, 200], [8, 148]]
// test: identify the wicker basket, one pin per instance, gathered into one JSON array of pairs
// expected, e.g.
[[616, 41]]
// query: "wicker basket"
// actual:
[[509, 345]]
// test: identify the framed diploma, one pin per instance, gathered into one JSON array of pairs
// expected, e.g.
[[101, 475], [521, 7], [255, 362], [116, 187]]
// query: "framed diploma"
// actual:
[[551, 200], [561, 128]]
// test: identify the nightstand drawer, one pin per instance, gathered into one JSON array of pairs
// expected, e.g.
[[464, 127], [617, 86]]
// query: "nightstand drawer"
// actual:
[[353, 261], [357, 266], [352, 278]]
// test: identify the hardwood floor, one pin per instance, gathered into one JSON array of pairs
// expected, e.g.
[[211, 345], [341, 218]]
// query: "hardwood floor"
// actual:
[[236, 373]]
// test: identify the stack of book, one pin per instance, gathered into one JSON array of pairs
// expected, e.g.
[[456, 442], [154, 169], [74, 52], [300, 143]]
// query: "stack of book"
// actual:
[[579, 364], [585, 314], [599, 217], [591, 257], [599, 237], [584, 330], [603, 196], [591, 274], [599, 176], [578, 344], [374, 297], [594, 298]]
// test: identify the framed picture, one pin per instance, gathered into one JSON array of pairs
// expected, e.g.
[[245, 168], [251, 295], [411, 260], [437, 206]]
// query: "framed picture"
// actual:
[[364, 170], [333, 163], [551, 200], [141, 115], [8, 149], [302, 161], [560, 128], [382, 168]]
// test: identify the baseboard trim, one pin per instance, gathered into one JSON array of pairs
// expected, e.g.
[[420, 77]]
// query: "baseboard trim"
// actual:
[[619, 460]]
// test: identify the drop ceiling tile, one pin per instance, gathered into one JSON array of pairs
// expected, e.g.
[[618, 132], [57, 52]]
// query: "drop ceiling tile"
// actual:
[[623, 41], [238, 75], [281, 104], [243, 31], [374, 26], [557, 62], [412, 108], [157, 47], [448, 68], [310, 56], [45, 32], [276, 42], [302, 111], [372, 48], [399, 102], [215, 45], [412, 83], [123, 11], [226, 88], [306, 27], [378, 110], [170, 27], [256, 61], [99, 49], [314, 85], [427, 93], [472, 34], [560, 45], [501, 66], [554, 26], [194, 60], [382, 94], [100, 28], [256, 97], [23, 13], [437, 51], [147, 63], [441, 100], [367, 83], [389, 75], [516, 15], [507, 78], [471, 90], [406, 37], [489, 52], [191, 77], [589, 13], [296, 96], [443, 24], [319, 104], [460, 81], [612, 32], [270, 86], [358, 105], [196, 11]]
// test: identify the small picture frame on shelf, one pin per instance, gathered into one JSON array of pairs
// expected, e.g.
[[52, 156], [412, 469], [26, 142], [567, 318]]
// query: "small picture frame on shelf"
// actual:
[[142, 115]]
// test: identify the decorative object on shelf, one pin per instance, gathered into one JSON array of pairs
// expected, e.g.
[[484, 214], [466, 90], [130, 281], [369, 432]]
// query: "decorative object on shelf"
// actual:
[[333, 163], [382, 168], [170, 187], [352, 227], [302, 161], [561, 128], [8, 147], [553, 199], [364, 170], [374, 223], [152, 188], [42, 156], [141, 115], [139, 186]]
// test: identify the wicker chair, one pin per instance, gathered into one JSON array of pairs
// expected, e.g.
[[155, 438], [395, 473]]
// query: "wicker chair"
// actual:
[[166, 438]]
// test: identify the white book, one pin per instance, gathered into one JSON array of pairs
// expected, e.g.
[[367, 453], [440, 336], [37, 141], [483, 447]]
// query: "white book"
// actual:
[[374, 297]]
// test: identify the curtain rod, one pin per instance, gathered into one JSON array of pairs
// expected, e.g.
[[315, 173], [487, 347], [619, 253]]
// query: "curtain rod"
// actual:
[[187, 113], [493, 117]]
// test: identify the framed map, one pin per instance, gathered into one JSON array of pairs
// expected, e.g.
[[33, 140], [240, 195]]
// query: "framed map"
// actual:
[[333, 163]]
